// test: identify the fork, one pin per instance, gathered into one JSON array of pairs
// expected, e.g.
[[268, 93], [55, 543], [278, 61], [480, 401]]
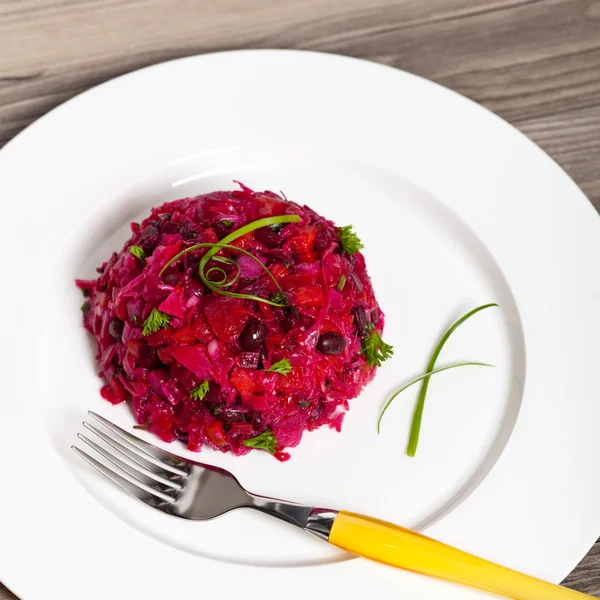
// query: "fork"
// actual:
[[193, 490]]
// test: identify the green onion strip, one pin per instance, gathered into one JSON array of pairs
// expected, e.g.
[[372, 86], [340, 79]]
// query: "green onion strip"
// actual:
[[225, 244], [415, 429], [422, 378]]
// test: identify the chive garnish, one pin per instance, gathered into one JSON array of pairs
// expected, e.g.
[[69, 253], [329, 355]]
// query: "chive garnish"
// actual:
[[422, 378], [415, 429], [341, 283], [218, 285]]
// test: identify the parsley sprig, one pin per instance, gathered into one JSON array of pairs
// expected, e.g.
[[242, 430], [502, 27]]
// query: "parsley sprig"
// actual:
[[349, 240], [374, 348]]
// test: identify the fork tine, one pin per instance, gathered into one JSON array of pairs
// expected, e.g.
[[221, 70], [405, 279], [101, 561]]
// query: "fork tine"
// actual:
[[135, 470], [147, 451], [142, 462], [139, 490]]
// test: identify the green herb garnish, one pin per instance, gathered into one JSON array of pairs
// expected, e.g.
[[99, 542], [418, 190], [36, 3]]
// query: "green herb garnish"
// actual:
[[86, 307], [199, 392], [266, 441], [304, 404], [143, 427], [374, 348], [415, 429], [227, 222], [138, 252], [349, 240], [218, 285], [341, 283], [283, 367], [279, 298], [156, 321], [422, 378]]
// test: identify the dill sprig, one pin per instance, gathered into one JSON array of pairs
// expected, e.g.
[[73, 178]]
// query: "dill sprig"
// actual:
[[199, 392], [265, 441], [138, 252], [282, 367], [156, 321]]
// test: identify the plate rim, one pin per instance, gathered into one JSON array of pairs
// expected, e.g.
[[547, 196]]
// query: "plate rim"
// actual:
[[32, 129]]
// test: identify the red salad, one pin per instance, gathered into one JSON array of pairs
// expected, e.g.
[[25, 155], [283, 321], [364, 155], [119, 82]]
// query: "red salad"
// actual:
[[237, 320]]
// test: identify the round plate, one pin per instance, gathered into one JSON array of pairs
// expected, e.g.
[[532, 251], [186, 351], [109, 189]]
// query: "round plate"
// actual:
[[455, 208]]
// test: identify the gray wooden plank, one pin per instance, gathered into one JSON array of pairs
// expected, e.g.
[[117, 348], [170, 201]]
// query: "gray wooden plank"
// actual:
[[586, 578], [6, 594]]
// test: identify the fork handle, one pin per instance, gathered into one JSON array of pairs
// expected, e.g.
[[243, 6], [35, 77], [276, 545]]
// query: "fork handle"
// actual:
[[399, 547]]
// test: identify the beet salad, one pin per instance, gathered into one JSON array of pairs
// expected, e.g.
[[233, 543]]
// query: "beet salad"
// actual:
[[235, 319]]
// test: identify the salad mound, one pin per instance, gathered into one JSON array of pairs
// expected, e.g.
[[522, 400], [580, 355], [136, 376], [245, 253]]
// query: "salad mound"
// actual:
[[236, 319]]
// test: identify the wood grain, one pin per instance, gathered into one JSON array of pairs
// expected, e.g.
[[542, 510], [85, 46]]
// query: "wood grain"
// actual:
[[534, 62]]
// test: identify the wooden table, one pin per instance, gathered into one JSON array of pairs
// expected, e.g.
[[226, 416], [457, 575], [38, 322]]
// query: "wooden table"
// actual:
[[534, 62]]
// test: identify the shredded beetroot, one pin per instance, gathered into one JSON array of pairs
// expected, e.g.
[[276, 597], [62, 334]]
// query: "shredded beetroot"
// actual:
[[232, 342]]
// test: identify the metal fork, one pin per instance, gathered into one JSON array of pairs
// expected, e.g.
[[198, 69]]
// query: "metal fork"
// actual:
[[192, 490], [184, 488]]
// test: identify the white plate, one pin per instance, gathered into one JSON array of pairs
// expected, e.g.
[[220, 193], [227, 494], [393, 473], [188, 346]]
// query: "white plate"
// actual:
[[455, 207]]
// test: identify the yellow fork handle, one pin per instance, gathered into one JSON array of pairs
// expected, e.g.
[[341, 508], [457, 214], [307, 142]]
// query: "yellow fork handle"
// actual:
[[399, 547]]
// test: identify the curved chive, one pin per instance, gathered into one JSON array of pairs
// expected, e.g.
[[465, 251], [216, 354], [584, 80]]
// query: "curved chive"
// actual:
[[415, 429], [216, 286], [423, 377], [234, 235], [223, 282]]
